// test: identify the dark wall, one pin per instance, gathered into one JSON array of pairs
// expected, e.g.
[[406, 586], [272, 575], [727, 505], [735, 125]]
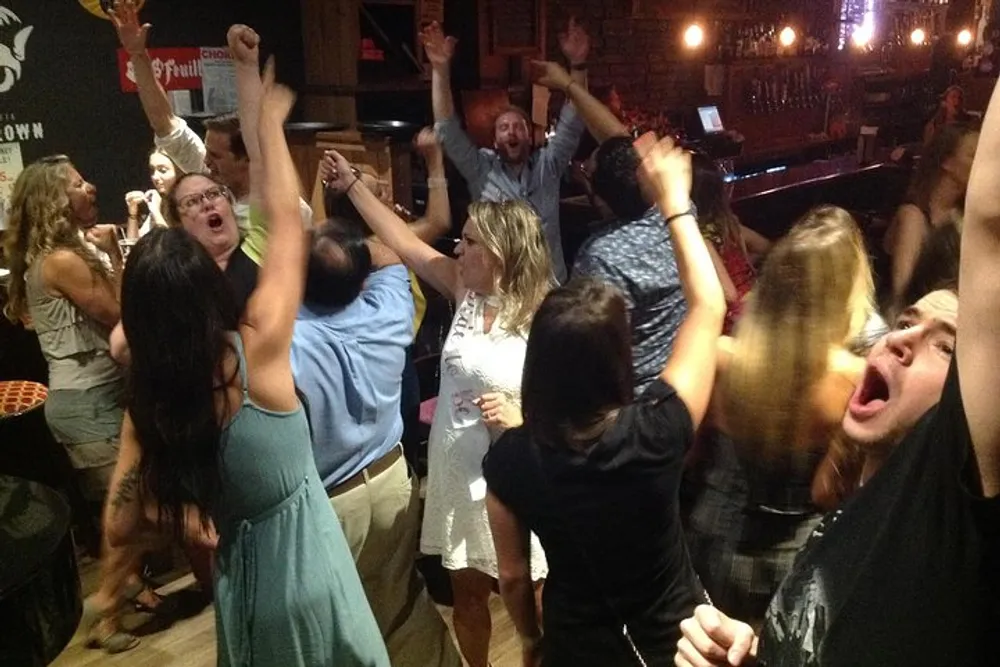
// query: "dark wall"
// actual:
[[70, 83]]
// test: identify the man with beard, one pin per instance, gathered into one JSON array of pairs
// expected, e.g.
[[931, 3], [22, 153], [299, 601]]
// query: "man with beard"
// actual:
[[906, 571], [512, 169]]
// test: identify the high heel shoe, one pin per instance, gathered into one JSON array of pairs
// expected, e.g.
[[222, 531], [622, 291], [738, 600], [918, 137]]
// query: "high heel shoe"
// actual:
[[163, 607], [117, 641]]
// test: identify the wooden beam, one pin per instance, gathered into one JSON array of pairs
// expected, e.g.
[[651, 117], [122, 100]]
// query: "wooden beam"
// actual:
[[331, 38]]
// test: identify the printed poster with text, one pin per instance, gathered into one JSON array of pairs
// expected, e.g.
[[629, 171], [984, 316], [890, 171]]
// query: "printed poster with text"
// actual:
[[218, 80], [10, 168]]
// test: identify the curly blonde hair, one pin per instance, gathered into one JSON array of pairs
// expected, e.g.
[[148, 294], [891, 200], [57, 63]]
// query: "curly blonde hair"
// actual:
[[40, 223], [511, 232]]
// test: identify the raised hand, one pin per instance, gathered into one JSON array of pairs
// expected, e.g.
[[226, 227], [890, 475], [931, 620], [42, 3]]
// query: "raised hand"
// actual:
[[551, 75], [341, 176], [276, 100], [132, 35], [439, 49], [244, 44], [427, 144], [575, 43], [665, 173]]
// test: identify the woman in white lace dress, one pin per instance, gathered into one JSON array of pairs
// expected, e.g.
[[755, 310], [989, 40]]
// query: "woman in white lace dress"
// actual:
[[501, 275]]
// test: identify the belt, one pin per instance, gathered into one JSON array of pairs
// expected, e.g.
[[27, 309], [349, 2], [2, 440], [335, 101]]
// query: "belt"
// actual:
[[373, 469]]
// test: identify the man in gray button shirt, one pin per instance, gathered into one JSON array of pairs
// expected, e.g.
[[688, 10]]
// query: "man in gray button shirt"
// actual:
[[512, 169]]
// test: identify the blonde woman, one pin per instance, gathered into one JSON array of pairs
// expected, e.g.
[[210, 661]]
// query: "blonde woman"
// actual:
[[783, 384], [500, 277], [72, 300]]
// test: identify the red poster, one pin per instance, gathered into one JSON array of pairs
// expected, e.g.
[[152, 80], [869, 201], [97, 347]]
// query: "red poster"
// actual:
[[176, 69]]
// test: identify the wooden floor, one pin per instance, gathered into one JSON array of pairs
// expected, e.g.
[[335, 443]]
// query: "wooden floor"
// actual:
[[191, 641]]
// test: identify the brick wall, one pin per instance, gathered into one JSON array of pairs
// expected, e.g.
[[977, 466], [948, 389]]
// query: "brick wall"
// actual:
[[639, 56]]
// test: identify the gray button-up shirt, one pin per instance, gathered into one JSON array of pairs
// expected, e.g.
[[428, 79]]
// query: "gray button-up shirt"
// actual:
[[490, 179], [638, 258]]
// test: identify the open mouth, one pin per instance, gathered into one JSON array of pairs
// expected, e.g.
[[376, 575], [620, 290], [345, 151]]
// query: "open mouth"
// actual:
[[871, 395], [215, 221]]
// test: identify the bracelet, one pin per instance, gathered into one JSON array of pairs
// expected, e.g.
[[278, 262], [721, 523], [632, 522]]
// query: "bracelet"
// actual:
[[434, 182], [678, 216], [568, 86], [351, 186]]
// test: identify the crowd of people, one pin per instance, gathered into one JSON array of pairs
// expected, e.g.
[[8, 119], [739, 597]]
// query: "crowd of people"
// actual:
[[688, 444]]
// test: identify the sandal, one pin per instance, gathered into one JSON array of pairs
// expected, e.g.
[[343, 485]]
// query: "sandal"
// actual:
[[162, 607], [117, 641]]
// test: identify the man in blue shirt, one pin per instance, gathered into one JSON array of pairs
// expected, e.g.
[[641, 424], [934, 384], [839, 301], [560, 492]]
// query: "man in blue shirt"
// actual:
[[633, 253], [348, 351]]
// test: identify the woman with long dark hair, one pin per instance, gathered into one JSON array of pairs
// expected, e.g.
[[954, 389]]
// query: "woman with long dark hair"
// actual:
[[595, 473], [215, 439]]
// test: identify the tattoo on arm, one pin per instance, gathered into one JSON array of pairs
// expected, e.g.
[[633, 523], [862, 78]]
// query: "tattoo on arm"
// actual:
[[128, 488]]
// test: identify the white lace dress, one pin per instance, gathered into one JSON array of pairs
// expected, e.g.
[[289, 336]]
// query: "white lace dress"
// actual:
[[472, 363]]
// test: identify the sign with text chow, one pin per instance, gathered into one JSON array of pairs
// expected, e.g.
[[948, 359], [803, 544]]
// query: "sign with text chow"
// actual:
[[183, 68]]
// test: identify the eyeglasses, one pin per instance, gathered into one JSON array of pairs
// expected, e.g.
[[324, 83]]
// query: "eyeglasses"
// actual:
[[196, 199], [53, 159]]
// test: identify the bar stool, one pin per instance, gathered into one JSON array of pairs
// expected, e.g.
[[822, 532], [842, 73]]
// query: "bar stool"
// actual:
[[18, 397], [28, 450], [40, 595]]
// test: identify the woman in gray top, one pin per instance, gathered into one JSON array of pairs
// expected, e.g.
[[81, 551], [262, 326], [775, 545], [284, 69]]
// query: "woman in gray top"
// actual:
[[68, 293]]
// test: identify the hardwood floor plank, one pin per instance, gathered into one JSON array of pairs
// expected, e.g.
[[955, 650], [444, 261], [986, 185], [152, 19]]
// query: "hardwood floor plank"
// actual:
[[191, 642]]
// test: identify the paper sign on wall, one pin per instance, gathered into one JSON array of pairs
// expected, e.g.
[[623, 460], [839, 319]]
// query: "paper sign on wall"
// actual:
[[10, 168], [218, 80]]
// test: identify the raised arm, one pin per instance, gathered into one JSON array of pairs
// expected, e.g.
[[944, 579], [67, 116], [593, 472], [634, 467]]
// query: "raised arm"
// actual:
[[436, 221], [456, 142], [597, 117], [690, 370], [173, 136], [440, 50], [274, 304], [244, 45], [153, 97], [438, 270], [978, 339], [905, 242]]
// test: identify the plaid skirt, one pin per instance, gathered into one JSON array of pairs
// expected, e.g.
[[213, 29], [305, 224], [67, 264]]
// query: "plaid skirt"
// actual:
[[741, 547]]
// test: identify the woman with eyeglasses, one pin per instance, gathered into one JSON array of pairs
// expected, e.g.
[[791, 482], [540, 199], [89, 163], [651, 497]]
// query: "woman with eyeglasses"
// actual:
[[71, 297]]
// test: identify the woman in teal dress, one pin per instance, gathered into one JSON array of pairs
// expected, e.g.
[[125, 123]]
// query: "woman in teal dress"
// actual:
[[215, 444]]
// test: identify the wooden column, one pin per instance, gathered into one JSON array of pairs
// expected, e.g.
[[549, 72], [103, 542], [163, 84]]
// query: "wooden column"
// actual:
[[331, 33]]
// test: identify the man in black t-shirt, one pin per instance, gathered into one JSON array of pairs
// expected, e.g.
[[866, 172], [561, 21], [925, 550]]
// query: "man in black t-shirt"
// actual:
[[906, 571]]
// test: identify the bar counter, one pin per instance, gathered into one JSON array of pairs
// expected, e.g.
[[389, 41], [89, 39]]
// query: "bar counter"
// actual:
[[773, 180]]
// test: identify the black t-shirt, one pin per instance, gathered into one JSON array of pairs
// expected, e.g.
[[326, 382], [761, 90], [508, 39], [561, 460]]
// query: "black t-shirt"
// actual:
[[906, 572], [608, 521], [242, 274]]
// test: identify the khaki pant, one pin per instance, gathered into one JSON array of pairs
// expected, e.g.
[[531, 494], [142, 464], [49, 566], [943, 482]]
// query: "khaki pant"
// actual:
[[381, 520]]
